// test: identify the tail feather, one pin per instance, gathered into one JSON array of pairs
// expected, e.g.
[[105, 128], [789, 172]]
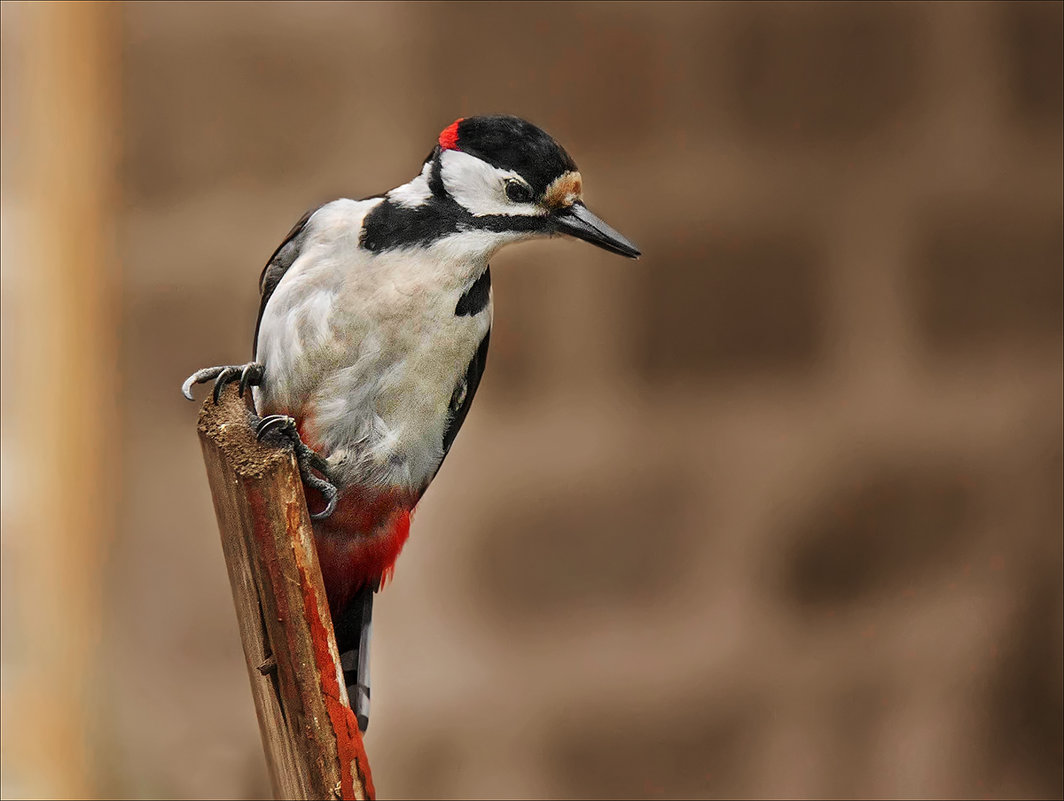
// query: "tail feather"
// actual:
[[352, 627], [357, 547]]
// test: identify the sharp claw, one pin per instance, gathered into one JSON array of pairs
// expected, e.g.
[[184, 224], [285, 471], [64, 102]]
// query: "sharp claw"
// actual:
[[267, 424], [251, 373], [224, 377], [330, 493], [186, 388], [198, 377]]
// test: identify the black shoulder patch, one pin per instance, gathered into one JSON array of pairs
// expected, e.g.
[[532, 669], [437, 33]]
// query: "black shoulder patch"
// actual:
[[475, 299], [283, 258], [389, 225], [462, 398]]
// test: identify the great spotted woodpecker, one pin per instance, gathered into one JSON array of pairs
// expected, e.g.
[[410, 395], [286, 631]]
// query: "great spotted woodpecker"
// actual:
[[372, 338]]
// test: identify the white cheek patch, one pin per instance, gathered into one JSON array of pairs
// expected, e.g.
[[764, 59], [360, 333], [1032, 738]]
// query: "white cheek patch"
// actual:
[[480, 188]]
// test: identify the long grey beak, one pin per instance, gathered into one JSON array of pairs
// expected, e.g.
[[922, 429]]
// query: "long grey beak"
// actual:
[[577, 221]]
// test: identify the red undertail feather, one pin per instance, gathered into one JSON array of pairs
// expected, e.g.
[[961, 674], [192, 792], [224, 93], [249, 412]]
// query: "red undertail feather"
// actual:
[[360, 541]]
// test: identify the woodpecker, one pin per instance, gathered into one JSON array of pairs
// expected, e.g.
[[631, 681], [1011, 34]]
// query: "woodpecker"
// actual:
[[372, 338]]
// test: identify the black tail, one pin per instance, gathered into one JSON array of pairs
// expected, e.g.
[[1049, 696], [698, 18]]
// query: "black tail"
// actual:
[[352, 628]]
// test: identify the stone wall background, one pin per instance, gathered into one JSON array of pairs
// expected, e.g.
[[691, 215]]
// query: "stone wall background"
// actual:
[[774, 511]]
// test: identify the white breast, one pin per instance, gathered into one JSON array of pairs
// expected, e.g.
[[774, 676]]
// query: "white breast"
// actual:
[[369, 348]]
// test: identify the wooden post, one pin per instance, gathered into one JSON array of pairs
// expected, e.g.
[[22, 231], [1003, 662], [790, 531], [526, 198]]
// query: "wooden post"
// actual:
[[313, 746]]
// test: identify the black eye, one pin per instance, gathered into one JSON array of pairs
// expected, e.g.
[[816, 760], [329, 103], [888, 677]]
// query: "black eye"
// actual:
[[518, 192]]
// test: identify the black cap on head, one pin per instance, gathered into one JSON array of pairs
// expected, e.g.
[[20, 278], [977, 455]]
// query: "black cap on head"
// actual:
[[510, 143]]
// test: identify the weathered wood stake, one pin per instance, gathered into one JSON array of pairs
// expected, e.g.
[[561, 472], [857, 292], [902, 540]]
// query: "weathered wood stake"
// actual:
[[313, 746]]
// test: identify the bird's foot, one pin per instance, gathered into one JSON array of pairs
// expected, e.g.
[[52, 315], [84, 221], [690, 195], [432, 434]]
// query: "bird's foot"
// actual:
[[308, 459], [250, 375]]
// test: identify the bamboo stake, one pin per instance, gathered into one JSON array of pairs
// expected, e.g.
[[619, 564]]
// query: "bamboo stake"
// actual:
[[313, 746], [62, 440]]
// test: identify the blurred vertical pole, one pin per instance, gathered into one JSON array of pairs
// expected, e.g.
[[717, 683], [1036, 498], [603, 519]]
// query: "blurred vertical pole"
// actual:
[[62, 407]]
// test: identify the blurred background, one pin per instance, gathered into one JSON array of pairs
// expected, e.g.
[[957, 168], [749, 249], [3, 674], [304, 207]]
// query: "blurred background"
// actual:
[[774, 511]]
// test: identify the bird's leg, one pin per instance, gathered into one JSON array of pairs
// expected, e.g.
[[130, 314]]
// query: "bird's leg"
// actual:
[[308, 459], [250, 375]]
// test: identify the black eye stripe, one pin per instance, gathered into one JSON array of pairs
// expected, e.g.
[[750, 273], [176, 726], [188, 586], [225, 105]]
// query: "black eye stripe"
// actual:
[[518, 192]]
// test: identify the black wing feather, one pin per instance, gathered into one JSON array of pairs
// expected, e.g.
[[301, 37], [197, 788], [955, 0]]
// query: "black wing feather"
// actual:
[[461, 400], [283, 258]]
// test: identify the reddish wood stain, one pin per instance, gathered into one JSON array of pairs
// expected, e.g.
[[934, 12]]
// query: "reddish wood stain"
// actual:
[[350, 749], [349, 746]]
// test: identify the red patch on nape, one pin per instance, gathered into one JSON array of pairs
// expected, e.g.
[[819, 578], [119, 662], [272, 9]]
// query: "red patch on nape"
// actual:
[[449, 136]]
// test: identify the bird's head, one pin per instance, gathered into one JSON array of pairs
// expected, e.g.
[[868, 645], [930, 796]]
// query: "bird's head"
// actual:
[[514, 179]]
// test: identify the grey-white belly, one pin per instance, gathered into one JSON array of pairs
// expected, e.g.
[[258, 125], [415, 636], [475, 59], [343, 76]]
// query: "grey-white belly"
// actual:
[[374, 362]]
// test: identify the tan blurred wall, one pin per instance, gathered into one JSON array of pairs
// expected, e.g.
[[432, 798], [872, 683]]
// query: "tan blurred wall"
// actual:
[[774, 511]]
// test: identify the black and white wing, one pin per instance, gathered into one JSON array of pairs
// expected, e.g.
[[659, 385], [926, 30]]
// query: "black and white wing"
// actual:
[[283, 258]]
